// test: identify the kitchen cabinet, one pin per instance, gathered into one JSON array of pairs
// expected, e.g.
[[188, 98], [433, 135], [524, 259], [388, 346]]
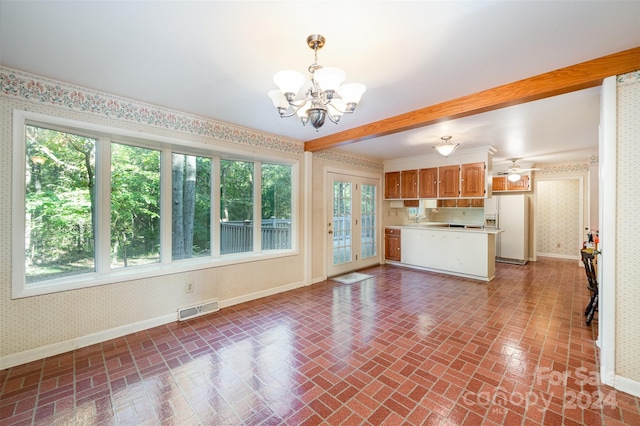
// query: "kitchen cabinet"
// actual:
[[428, 183], [462, 202], [456, 181], [392, 185], [447, 203], [477, 202], [456, 252], [472, 180], [409, 184], [502, 184], [499, 183], [449, 181], [392, 244], [521, 185]]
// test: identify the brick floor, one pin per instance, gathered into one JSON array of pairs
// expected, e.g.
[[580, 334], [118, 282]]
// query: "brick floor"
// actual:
[[403, 347]]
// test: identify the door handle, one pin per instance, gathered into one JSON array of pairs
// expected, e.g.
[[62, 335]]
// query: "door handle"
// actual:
[[330, 231]]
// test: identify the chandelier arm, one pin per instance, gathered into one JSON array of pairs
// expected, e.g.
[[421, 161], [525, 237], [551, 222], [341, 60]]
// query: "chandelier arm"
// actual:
[[334, 121], [348, 110], [295, 107], [288, 115]]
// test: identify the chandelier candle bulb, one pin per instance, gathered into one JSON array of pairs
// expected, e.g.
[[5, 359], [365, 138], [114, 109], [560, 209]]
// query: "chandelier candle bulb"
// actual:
[[324, 91]]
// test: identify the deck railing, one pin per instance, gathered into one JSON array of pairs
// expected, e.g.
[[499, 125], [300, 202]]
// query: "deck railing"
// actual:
[[237, 236]]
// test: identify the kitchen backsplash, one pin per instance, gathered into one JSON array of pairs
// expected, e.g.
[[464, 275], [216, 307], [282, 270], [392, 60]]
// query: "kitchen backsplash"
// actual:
[[470, 216]]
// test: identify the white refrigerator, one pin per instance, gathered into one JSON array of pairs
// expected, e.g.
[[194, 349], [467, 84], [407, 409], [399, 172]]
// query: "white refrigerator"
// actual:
[[512, 216]]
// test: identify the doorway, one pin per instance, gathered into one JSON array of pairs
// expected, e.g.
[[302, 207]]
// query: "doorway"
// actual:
[[559, 217], [352, 233]]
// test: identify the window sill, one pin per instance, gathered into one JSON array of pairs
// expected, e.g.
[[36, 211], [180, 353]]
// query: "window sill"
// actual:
[[142, 272]]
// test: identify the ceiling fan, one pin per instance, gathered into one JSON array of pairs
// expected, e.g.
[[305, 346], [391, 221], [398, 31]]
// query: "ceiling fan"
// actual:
[[514, 171]]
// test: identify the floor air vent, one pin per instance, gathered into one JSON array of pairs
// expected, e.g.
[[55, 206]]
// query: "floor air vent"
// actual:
[[196, 311]]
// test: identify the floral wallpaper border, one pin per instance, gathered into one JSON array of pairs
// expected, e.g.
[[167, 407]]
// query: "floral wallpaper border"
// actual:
[[37, 89], [629, 78], [33, 88], [548, 169], [349, 159]]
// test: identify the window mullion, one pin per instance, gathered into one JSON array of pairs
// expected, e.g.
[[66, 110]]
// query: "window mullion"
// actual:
[[103, 206], [257, 206], [215, 207], [165, 206]]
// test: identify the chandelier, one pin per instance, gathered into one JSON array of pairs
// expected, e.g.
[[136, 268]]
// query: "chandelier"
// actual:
[[446, 147], [320, 100]]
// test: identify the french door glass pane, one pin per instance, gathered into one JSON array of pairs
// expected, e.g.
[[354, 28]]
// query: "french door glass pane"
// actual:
[[368, 243], [236, 206], [341, 222], [276, 207], [59, 204], [135, 205], [190, 206]]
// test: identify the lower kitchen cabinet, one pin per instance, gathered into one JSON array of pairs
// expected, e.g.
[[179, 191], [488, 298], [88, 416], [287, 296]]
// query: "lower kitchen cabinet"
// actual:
[[392, 244], [464, 253]]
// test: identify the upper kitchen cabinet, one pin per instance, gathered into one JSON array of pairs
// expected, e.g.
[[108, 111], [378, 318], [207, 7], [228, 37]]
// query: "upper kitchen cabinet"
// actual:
[[449, 181], [499, 183], [428, 183], [472, 179], [464, 174], [409, 184], [502, 184], [521, 185], [392, 185]]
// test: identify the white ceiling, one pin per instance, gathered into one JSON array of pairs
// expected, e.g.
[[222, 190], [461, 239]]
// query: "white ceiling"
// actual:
[[217, 59]]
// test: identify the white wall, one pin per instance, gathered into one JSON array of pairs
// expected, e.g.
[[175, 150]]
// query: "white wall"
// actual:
[[627, 314]]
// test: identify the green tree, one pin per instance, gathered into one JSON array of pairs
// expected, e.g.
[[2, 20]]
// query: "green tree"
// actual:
[[135, 203], [276, 191], [236, 190]]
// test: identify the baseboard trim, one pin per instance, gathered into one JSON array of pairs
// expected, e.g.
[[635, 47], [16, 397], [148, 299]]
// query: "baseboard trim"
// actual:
[[632, 387], [259, 294], [30, 355], [558, 256], [318, 280], [35, 354]]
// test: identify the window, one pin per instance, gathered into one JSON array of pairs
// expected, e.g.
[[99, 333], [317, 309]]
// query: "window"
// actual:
[[276, 207], [190, 206], [59, 209], [96, 205], [368, 221], [236, 206], [135, 205]]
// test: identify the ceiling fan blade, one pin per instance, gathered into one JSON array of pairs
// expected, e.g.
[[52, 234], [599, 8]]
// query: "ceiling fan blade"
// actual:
[[529, 170]]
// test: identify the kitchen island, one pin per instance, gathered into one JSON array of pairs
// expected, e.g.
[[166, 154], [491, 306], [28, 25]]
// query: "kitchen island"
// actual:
[[462, 251]]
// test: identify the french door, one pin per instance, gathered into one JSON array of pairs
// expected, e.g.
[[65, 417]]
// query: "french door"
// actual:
[[352, 229]]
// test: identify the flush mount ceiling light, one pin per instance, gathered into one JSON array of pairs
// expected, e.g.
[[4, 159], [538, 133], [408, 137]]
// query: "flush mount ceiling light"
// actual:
[[446, 147], [320, 100]]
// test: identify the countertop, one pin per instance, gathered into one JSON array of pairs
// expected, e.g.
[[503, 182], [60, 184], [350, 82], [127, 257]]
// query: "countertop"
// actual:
[[440, 226]]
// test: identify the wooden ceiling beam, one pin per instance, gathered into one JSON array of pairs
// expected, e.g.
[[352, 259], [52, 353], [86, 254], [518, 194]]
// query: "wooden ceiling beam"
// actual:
[[564, 80]]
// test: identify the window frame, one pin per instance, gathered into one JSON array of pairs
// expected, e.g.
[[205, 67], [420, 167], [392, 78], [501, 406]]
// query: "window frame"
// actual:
[[103, 274]]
